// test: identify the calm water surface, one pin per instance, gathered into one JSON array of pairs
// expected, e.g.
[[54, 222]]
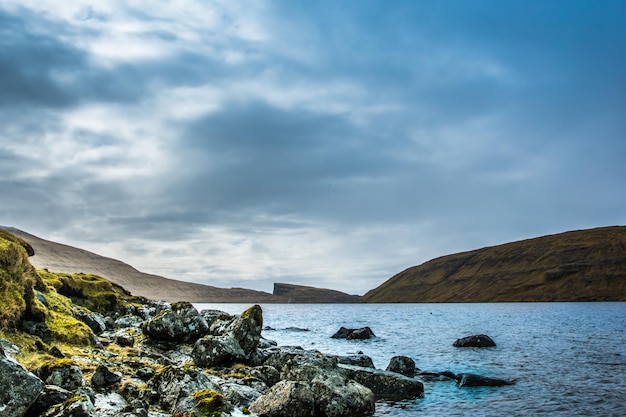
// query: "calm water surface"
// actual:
[[568, 359]]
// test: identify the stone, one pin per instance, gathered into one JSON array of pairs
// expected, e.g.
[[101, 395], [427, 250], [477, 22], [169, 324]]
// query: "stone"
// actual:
[[20, 387], [124, 339], [175, 383], [478, 340], [63, 373], [109, 404], [94, 320], [285, 399], [56, 352], [217, 351], [334, 394], [473, 380], [77, 406], [354, 334], [386, 385], [181, 323], [103, 377], [402, 365], [358, 360], [246, 328], [49, 397]]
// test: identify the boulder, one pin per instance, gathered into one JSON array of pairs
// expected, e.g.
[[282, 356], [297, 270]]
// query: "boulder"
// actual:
[[478, 340], [181, 323], [473, 380], [384, 384], [354, 334], [175, 383], [217, 351], [109, 404], [213, 316], [49, 397], [19, 389], [63, 373], [358, 360], [285, 399], [246, 328], [334, 394], [93, 320], [402, 365], [103, 377]]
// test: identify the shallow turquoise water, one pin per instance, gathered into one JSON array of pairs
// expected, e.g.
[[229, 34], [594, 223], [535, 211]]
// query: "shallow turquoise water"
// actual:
[[568, 358]]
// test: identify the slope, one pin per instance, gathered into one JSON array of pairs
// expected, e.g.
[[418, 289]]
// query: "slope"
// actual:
[[582, 265]]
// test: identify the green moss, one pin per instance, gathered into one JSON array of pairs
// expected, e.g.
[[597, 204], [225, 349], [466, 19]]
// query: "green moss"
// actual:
[[87, 290], [66, 328], [210, 403], [17, 279]]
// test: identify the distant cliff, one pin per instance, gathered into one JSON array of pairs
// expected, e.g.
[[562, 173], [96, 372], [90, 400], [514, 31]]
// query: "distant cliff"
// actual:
[[582, 265], [63, 258], [303, 294]]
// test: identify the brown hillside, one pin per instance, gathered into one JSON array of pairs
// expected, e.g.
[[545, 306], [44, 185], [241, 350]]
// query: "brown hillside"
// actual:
[[583, 265], [63, 258]]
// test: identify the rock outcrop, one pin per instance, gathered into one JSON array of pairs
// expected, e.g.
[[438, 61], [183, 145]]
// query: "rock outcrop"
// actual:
[[386, 385], [180, 323]]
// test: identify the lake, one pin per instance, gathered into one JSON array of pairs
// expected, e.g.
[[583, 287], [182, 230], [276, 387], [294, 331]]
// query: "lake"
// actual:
[[567, 358]]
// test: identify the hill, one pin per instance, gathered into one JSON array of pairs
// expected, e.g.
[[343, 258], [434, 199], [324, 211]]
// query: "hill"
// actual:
[[63, 258], [582, 265]]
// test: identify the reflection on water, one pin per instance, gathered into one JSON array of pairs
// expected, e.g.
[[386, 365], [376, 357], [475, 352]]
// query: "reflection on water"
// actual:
[[567, 358]]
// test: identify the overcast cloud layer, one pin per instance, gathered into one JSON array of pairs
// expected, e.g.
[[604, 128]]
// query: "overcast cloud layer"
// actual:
[[326, 143]]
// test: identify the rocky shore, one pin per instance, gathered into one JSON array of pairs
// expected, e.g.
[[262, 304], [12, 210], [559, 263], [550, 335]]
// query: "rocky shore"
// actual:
[[76, 345]]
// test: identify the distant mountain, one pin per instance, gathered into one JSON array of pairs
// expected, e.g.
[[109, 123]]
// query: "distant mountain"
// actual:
[[582, 265], [303, 294], [63, 258]]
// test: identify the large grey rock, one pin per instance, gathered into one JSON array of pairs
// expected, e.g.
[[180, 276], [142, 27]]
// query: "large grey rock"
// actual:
[[109, 404], [477, 340], [473, 380], [384, 384], [334, 394], [217, 351], [402, 365], [19, 389], [63, 373], [180, 323], [246, 328], [285, 399]]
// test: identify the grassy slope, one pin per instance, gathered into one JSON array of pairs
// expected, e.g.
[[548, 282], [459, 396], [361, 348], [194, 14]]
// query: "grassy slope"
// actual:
[[57, 257], [584, 265]]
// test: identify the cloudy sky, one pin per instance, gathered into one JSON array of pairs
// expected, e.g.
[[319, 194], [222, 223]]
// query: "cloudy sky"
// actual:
[[327, 143]]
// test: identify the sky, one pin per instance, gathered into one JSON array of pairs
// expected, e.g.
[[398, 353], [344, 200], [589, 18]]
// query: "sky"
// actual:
[[327, 143]]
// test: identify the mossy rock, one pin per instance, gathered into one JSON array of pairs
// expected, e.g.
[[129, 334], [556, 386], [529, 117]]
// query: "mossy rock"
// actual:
[[209, 402], [93, 292], [18, 279]]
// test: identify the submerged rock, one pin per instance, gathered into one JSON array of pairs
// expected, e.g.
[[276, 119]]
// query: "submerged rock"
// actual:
[[473, 380], [402, 365], [19, 389], [354, 334], [478, 340]]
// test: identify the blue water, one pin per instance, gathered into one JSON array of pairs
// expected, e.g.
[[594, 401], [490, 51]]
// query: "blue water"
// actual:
[[569, 359]]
